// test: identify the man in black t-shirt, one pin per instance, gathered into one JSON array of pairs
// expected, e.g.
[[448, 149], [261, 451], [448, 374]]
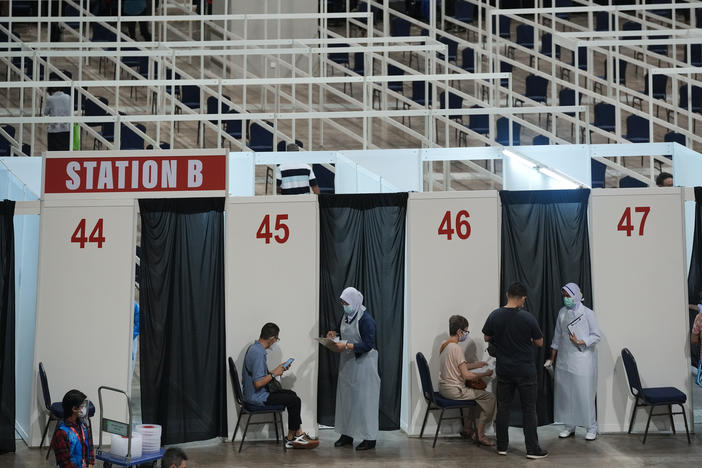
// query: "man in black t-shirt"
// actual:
[[514, 333]]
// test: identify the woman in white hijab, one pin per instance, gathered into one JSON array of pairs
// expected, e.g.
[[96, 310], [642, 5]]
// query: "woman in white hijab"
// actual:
[[358, 386], [574, 340]]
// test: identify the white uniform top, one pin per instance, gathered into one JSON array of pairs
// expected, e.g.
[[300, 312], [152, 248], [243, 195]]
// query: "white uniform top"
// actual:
[[576, 367], [58, 104]]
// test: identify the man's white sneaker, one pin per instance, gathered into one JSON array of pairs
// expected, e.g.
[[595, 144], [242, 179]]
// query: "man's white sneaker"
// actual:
[[303, 441], [591, 435], [566, 433]]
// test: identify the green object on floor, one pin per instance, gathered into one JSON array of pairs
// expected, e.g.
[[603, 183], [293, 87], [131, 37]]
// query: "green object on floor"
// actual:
[[76, 137]]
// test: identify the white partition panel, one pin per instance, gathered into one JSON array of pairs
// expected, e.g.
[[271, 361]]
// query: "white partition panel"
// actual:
[[272, 275], [640, 298], [84, 300], [446, 277]]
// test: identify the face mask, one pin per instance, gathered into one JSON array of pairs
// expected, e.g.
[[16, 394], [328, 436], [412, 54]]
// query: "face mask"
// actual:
[[463, 337], [83, 413], [349, 310], [569, 302]]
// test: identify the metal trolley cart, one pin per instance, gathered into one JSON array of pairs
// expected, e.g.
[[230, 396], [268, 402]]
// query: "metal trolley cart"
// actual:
[[123, 429]]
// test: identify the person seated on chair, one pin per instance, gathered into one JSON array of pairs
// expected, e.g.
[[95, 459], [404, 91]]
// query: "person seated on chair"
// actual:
[[257, 391], [174, 458], [457, 382], [73, 441]]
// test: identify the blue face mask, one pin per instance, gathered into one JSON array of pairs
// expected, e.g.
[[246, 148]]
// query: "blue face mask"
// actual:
[[463, 337], [348, 310], [569, 302]]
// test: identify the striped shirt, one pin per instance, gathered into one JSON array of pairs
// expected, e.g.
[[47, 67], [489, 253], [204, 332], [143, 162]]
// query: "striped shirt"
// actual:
[[294, 179]]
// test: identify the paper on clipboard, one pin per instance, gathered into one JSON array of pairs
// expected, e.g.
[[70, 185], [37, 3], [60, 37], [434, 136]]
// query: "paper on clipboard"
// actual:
[[579, 329], [329, 343]]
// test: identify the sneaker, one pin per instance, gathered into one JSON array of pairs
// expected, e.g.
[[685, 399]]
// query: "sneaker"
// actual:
[[591, 436], [564, 434], [541, 453], [502, 452], [303, 441]]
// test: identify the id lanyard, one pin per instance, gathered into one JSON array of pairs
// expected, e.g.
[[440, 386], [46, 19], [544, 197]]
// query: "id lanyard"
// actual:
[[84, 442]]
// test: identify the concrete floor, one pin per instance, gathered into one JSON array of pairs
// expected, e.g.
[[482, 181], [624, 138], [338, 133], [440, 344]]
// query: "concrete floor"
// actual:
[[396, 449]]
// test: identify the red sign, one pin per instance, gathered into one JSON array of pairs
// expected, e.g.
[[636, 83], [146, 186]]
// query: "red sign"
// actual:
[[135, 174]]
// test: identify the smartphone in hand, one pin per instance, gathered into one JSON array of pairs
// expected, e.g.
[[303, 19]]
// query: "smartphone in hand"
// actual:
[[287, 363]]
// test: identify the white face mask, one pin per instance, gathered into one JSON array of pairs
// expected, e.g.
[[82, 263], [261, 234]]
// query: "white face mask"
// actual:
[[83, 413]]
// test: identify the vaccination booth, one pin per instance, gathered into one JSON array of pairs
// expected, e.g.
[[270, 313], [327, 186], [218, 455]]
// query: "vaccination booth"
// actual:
[[217, 262]]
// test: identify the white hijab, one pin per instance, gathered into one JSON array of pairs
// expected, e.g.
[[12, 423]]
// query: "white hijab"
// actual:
[[573, 290], [354, 298]]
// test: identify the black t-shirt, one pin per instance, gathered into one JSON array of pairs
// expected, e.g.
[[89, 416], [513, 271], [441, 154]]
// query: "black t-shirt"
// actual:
[[512, 331]]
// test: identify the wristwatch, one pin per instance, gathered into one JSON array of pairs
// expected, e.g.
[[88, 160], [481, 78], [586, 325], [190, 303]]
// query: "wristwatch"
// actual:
[[271, 374]]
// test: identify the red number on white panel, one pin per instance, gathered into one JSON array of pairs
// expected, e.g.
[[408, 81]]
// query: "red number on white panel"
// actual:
[[625, 223], [96, 235], [462, 225], [462, 229], [445, 228], [264, 230], [281, 228], [78, 236]]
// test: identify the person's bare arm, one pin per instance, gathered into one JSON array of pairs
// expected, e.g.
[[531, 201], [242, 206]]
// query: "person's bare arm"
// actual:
[[262, 382], [315, 189], [487, 338], [539, 342], [695, 338], [468, 375]]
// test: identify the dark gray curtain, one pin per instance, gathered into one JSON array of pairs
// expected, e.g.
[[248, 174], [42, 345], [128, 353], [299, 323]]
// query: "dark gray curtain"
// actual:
[[7, 327], [545, 244], [362, 244], [183, 386], [694, 278]]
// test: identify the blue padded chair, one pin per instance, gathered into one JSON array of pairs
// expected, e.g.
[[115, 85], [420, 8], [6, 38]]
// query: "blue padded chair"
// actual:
[[468, 59], [695, 101], [540, 140], [435, 401], [341, 58], [652, 396], [660, 85], [359, 67], [622, 74], [107, 132], [452, 49], [597, 173], [396, 86], [605, 116], [399, 27], [479, 123], [631, 26], [190, 97], [465, 11], [674, 137], [454, 102], [94, 110], [419, 96], [129, 139], [563, 4], [252, 410], [547, 47], [695, 55], [325, 178], [54, 409], [503, 132], [666, 13], [637, 130], [525, 36], [213, 102], [5, 146], [233, 127], [661, 49], [582, 62], [505, 24], [505, 68], [630, 182], [260, 138], [602, 20], [536, 88]]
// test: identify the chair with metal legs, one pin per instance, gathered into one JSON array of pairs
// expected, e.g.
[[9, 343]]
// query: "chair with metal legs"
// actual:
[[250, 410]]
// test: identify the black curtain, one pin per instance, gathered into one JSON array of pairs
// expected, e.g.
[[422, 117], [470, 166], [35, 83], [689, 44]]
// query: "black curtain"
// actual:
[[7, 327], [362, 244], [183, 386], [694, 278], [545, 244]]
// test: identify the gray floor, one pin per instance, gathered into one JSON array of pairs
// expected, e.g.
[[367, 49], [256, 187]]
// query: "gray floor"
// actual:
[[395, 449]]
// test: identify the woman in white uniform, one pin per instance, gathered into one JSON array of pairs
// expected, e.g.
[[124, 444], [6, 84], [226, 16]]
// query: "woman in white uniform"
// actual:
[[575, 357], [358, 386]]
